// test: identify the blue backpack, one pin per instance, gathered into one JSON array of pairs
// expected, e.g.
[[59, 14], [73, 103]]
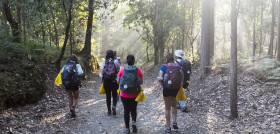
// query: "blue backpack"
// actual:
[[70, 75], [130, 82]]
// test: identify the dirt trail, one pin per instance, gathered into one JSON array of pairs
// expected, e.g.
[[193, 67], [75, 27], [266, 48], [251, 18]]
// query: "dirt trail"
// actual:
[[208, 103]]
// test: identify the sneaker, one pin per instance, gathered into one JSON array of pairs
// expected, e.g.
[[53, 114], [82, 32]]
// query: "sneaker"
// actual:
[[114, 111], [109, 113], [72, 110], [174, 124], [127, 131], [134, 128], [185, 109], [167, 130]]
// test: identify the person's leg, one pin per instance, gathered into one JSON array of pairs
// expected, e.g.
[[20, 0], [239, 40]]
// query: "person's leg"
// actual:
[[126, 108], [70, 97], [107, 87], [174, 109], [76, 97], [115, 87], [182, 105], [134, 113], [167, 102]]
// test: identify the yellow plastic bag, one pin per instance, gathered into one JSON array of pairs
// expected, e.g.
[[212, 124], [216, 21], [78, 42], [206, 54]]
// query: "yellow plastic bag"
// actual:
[[140, 97], [118, 91], [181, 95], [58, 79], [102, 89]]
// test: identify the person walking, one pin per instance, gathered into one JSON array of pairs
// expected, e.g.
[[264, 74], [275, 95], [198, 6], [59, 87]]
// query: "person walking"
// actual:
[[186, 67], [109, 70], [71, 82], [171, 76], [130, 78]]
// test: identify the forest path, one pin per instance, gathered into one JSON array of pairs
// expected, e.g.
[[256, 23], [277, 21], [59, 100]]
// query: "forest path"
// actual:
[[208, 103]]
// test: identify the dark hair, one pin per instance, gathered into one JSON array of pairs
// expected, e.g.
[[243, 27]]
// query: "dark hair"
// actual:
[[109, 54], [169, 58], [130, 59], [73, 57]]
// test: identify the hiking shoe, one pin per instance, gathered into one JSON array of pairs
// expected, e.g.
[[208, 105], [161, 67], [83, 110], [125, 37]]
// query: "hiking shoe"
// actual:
[[72, 110], [174, 124], [114, 111], [127, 131], [109, 113], [185, 110], [134, 128], [167, 130]]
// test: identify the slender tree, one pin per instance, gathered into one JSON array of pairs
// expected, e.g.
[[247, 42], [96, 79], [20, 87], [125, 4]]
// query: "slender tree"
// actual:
[[87, 48], [10, 19], [233, 55], [278, 51], [270, 49], [254, 32], [207, 36], [54, 23], [66, 35], [261, 34]]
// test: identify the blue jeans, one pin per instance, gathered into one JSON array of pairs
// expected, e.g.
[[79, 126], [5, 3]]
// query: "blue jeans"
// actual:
[[181, 104]]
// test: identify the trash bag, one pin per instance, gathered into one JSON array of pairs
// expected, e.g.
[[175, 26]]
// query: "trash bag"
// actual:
[[102, 89], [181, 95], [58, 79], [140, 97], [118, 91]]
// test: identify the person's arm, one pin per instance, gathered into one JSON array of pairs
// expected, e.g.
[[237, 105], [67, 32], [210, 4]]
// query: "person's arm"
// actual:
[[118, 79], [160, 76], [79, 69], [102, 68]]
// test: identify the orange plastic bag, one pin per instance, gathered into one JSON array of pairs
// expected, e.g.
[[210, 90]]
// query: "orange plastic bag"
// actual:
[[58, 79], [181, 95], [140, 97], [102, 89]]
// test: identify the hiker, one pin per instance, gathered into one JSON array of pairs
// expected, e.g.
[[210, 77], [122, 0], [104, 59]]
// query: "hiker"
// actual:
[[186, 67], [171, 76], [71, 82], [109, 70], [130, 78]]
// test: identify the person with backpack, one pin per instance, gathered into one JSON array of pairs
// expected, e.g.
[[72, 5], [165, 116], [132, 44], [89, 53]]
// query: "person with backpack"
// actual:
[[71, 82], [171, 77], [186, 66], [130, 78], [109, 70]]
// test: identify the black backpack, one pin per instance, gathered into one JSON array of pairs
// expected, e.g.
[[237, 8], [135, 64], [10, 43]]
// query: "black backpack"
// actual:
[[70, 75], [187, 70]]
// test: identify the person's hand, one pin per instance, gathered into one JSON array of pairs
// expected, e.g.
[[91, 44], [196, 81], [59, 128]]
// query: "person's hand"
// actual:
[[159, 78]]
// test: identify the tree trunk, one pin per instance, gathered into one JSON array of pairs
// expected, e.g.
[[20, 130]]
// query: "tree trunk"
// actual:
[[207, 36], [66, 36], [86, 52], [254, 33], [261, 36], [233, 74], [147, 51], [42, 26], [87, 47], [270, 49], [161, 47], [13, 23], [278, 42], [156, 34], [19, 15], [54, 23], [24, 23]]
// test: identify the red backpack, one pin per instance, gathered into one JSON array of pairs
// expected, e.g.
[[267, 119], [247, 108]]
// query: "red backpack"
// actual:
[[173, 77]]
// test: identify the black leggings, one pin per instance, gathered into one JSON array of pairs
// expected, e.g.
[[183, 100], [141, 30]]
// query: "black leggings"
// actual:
[[111, 90], [130, 106]]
